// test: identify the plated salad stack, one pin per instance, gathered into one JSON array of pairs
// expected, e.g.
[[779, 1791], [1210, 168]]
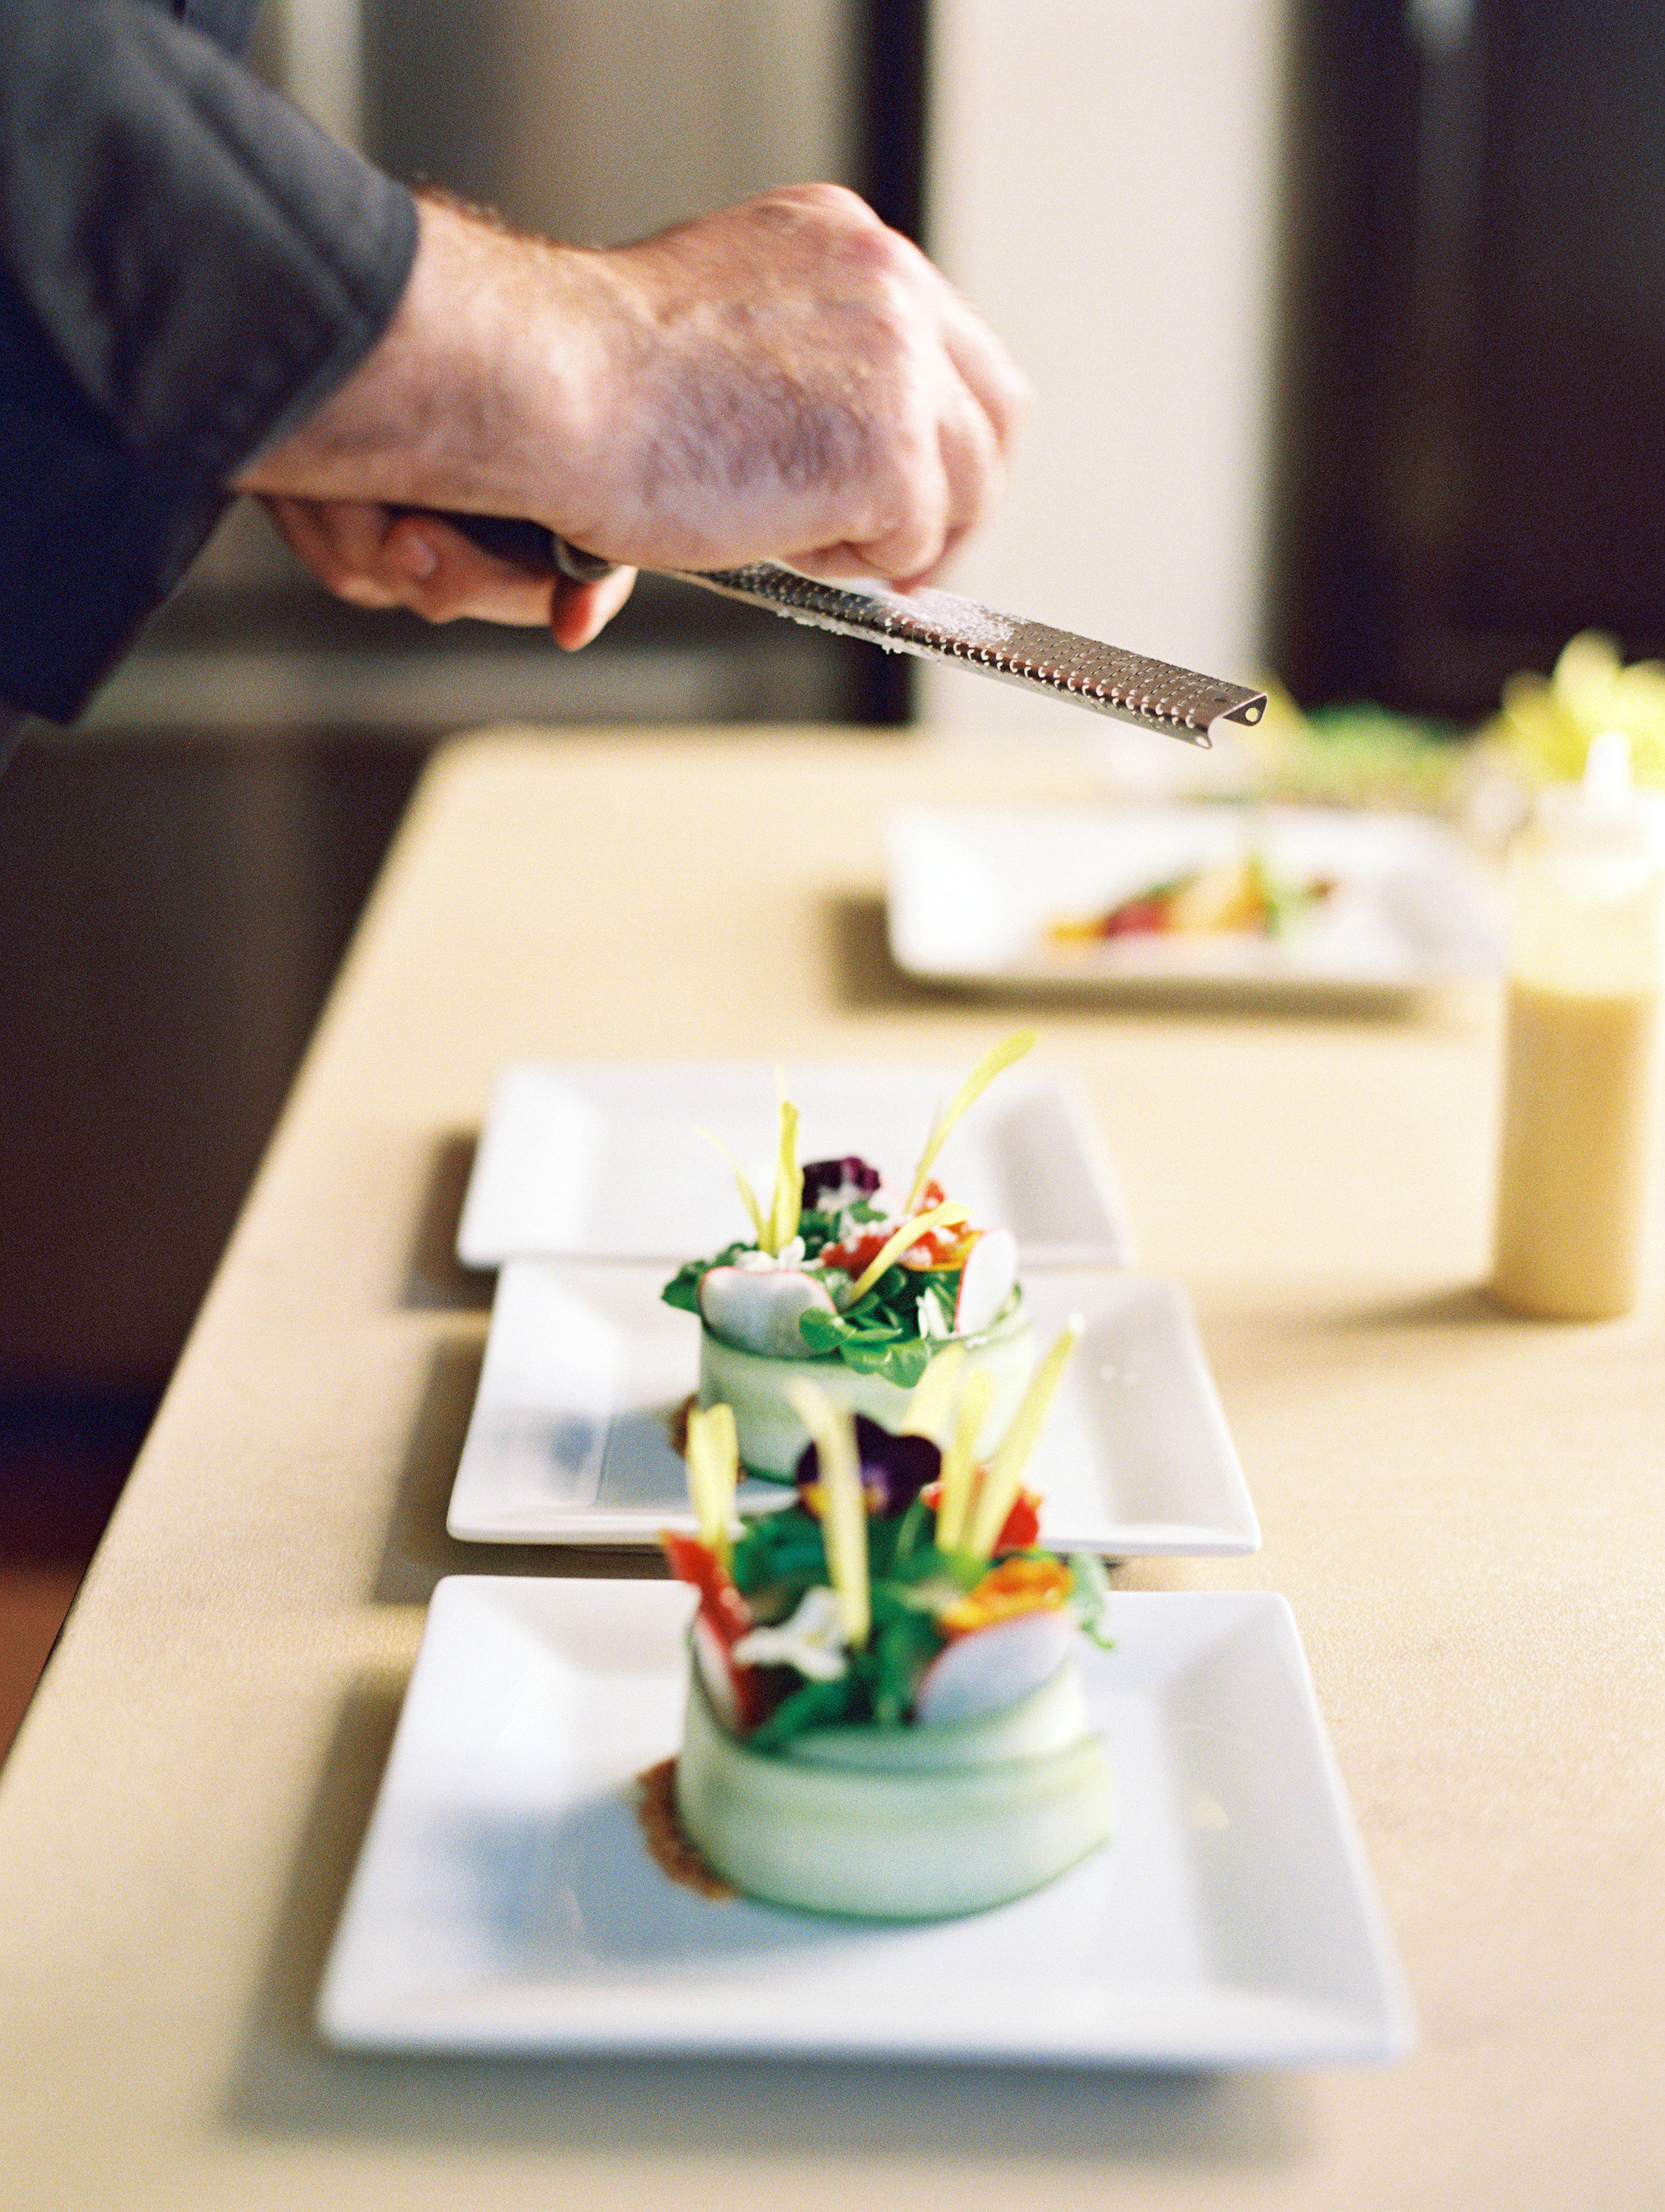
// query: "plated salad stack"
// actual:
[[867, 1285], [885, 1717]]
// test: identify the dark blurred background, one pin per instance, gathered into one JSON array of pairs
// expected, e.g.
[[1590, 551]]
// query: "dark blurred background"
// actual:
[[1453, 462], [1473, 349]]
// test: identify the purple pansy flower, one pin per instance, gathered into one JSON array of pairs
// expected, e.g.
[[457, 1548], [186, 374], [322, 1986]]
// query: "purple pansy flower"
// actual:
[[840, 1182], [894, 1469]]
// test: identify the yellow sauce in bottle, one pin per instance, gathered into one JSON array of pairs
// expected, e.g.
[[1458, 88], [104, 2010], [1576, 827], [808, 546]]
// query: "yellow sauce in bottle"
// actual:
[[1580, 1130], [1580, 1123]]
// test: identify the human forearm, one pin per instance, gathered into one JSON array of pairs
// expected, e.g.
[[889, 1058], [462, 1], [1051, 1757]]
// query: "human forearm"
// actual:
[[439, 414], [786, 378]]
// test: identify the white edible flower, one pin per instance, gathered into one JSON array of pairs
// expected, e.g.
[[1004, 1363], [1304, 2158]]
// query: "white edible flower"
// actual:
[[788, 1258], [813, 1641]]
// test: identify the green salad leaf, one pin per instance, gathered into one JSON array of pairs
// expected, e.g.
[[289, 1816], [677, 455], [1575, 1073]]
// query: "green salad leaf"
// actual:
[[878, 1335], [817, 1704], [683, 1290], [782, 1555]]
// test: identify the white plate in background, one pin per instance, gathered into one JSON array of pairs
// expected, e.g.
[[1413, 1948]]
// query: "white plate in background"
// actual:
[[605, 1161], [504, 1900], [972, 893], [568, 1442]]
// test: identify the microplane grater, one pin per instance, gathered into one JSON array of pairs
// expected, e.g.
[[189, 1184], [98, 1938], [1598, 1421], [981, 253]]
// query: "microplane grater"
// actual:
[[937, 626], [942, 626]]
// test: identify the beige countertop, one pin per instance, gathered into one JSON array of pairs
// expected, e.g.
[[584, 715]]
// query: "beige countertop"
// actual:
[[1467, 1514]]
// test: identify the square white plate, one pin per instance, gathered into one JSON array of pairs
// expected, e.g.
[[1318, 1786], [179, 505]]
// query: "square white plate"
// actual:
[[568, 1442], [606, 1161], [972, 893], [504, 1900]]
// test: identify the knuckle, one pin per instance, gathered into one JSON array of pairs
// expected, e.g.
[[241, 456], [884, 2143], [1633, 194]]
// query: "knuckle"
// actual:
[[831, 199], [883, 262]]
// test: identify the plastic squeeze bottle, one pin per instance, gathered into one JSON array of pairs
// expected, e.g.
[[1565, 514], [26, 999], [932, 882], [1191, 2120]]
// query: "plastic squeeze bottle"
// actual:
[[1581, 1124]]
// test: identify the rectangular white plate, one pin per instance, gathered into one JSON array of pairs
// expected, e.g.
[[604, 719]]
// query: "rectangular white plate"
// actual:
[[504, 1900], [607, 1161], [972, 893], [569, 1438]]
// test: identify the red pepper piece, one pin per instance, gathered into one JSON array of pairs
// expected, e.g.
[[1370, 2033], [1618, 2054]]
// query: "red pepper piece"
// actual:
[[1022, 1527], [1139, 917], [740, 1694], [721, 1603]]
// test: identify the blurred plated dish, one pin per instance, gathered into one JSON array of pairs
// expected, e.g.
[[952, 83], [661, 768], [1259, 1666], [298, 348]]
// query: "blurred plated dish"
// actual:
[[1120, 898]]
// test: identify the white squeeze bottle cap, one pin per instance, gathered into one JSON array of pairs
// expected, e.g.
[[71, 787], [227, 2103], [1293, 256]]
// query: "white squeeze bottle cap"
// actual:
[[1585, 882], [1608, 789]]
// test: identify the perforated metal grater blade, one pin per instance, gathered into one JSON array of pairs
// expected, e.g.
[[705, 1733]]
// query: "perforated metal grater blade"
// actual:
[[935, 625], [941, 626]]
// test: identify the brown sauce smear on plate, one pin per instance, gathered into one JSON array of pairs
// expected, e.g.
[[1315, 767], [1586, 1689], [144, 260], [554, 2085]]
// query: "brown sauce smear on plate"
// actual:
[[678, 1423], [656, 1810]]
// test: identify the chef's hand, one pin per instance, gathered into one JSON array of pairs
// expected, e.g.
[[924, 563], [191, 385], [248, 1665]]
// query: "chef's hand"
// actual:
[[362, 551], [790, 377], [784, 379]]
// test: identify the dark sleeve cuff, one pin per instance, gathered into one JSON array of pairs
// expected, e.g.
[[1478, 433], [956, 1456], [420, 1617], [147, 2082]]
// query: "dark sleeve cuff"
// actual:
[[191, 268]]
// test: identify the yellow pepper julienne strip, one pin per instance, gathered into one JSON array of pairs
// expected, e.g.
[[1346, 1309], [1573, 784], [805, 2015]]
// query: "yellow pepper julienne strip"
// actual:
[[1003, 1476], [843, 1508], [787, 1201], [959, 1463], [776, 1228], [917, 1226], [1001, 1056], [748, 1196], [714, 1471], [931, 1408]]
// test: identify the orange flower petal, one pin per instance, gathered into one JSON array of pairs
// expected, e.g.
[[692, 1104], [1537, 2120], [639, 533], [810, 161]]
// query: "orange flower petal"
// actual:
[[1016, 1586]]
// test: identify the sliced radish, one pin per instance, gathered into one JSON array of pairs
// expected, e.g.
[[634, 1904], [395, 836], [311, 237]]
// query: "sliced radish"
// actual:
[[987, 1280], [993, 1668], [758, 1309]]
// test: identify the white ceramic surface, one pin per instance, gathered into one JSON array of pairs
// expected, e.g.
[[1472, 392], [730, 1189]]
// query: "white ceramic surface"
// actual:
[[973, 891], [606, 1161], [585, 1364], [504, 1900]]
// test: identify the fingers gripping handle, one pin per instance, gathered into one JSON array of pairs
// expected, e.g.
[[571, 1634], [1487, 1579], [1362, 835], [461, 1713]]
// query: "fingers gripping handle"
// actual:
[[525, 545]]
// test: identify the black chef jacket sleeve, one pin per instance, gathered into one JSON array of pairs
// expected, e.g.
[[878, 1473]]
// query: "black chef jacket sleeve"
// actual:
[[187, 268]]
